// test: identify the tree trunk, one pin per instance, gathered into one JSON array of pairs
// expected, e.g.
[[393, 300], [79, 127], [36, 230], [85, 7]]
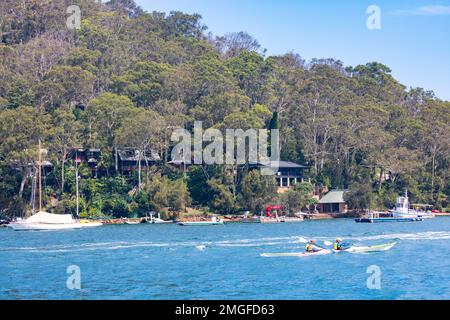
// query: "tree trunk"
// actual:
[[62, 171], [22, 184], [116, 159], [139, 171], [433, 172], [380, 179]]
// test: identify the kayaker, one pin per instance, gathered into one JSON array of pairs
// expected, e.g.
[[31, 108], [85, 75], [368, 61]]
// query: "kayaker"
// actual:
[[338, 245], [312, 247]]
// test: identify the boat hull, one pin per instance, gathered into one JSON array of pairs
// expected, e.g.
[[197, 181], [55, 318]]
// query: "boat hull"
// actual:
[[297, 254], [43, 226], [199, 224], [91, 224], [382, 220], [377, 248], [368, 249]]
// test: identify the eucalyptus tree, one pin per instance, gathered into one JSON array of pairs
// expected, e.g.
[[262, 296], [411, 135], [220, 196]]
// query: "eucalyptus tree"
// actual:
[[66, 135], [144, 132]]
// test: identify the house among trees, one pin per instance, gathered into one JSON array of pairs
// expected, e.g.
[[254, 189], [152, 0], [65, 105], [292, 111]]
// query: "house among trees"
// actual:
[[288, 174], [89, 156], [333, 202], [46, 165], [128, 160]]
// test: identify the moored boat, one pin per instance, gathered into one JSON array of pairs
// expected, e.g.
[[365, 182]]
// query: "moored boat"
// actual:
[[157, 220], [214, 221], [388, 219], [402, 210], [131, 222], [46, 221]]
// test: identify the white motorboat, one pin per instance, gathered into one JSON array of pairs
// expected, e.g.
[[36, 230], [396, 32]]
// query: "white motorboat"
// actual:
[[402, 210], [214, 222], [157, 220], [132, 222]]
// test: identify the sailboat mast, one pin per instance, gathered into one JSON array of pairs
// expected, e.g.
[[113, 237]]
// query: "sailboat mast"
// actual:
[[76, 183], [40, 175]]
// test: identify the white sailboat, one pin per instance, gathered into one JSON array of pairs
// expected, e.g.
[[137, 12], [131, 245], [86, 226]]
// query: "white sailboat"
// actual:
[[45, 220]]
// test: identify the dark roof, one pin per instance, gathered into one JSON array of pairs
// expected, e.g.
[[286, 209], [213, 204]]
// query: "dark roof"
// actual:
[[132, 155], [281, 164], [44, 163]]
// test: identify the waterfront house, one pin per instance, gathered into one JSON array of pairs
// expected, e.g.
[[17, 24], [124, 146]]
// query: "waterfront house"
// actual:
[[46, 166], [128, 160], [287, 174], [91, 157], [333, 202]]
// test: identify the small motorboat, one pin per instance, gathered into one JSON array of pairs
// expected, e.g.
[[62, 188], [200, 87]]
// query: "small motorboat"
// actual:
[[388, 219], [214, 222], [157, 220], [131, 222], [90, 224]]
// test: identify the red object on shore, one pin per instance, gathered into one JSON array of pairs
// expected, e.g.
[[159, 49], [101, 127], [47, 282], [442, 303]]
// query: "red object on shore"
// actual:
[[269, 210]]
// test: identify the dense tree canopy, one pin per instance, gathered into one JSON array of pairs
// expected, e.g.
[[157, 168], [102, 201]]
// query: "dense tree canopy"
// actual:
[[127, 77]]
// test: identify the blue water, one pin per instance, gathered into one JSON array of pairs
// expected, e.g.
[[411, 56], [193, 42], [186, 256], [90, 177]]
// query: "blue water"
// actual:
[[170, 262]]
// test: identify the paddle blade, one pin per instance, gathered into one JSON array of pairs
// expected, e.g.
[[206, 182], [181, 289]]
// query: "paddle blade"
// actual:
[[302, 240]]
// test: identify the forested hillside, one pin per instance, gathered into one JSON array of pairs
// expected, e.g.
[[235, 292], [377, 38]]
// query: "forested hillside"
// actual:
[[127, 78]]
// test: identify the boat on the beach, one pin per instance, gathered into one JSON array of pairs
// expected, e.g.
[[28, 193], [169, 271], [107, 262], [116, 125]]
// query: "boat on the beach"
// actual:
[[354, 249], [214, 222]]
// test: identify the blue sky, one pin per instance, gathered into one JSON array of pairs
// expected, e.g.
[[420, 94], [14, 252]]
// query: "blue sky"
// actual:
[[414, 40]]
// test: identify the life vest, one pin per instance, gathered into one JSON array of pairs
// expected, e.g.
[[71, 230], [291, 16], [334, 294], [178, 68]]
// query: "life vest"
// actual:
[[337, 246], [308, 247]]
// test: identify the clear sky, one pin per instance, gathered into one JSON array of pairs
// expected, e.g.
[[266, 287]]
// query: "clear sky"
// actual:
[[414, 39]]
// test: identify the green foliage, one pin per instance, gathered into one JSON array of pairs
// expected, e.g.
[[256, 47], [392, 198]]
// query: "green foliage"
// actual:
[[127, 78], [360, 196], [116, 207], [162, 195], [223, 200], [257, 191], [299, 198], [198, 183]]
